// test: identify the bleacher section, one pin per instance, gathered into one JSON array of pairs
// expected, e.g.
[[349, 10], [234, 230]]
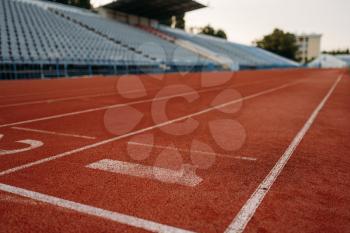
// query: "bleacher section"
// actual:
[[45, 39], [139, 41], [345, 58], [330, 61], [247, 57], [32, 34], [41, 39]]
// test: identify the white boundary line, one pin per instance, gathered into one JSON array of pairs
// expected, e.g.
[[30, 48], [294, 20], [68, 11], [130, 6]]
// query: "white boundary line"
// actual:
[[64, 154], [55, 91], [194, 151], [94, 211], [53, 133], [49, 101], [106, 107], [247, 211], [53, 100]]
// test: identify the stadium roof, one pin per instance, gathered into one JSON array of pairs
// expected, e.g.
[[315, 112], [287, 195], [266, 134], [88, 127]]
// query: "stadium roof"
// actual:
[[155, 9]]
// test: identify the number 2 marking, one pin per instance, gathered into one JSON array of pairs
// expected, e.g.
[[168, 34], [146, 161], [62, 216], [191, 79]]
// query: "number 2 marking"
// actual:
[[32, 144]]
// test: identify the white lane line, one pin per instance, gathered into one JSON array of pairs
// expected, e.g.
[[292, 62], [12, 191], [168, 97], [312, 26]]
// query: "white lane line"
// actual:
[[120, 105], [52, 133], [49, 101], [247, 211], [90, 89], [103, 108], [64, 154], [192, 151], [185, 176], [56, 91], [94, 211]]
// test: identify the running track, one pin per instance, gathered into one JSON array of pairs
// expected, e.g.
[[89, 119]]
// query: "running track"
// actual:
[[289, 171]]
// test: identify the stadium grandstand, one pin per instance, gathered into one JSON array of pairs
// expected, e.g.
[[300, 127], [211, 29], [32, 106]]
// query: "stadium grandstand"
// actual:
[[41, 39], [330, 61]]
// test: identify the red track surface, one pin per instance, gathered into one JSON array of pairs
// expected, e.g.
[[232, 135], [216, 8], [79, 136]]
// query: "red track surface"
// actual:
[[311, 194]]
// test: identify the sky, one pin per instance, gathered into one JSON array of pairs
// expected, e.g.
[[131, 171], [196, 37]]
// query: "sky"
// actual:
[[245, 21]]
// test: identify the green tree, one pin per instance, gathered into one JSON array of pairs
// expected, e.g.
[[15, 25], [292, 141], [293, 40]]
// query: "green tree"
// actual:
[[220, 33], [337, 52], [180, 21], [209, 30], [281, 43]]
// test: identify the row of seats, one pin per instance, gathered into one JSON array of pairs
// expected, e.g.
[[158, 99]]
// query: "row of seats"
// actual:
[[159, 49], [345, 58], [30, 33], [245, 56], [35, 32]]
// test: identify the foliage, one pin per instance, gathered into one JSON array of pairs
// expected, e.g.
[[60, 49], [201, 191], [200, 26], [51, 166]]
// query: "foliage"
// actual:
[[337, 52], [209, 30], [180, 21], [281, 43]]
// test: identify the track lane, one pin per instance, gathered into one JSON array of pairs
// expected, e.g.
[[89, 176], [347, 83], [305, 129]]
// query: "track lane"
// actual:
[[214, 213], [312, 192], [47, 218], [81, 99], [96, 127]]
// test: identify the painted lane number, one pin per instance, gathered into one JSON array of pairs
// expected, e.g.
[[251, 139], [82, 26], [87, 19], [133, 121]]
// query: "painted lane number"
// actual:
[[32, 144]]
